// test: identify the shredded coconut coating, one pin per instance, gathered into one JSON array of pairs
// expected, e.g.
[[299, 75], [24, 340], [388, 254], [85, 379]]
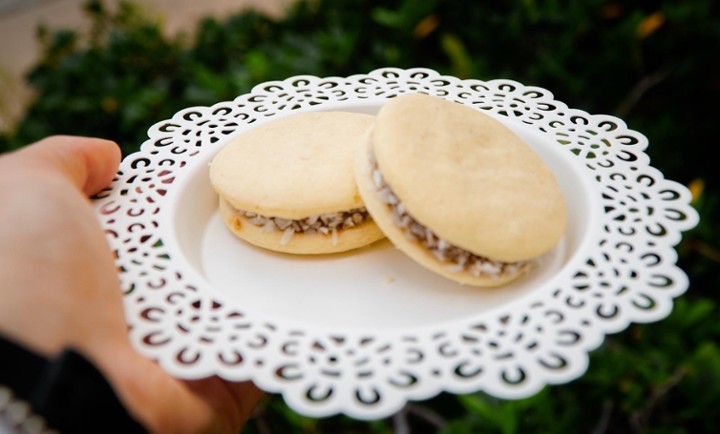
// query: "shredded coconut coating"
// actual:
[[325, 224], [457, 259]]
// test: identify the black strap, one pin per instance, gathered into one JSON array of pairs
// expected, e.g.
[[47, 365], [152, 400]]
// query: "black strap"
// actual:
[[68, 391]]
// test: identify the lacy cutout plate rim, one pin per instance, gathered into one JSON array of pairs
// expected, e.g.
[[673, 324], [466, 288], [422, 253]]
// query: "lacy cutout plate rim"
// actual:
[[540, 335]]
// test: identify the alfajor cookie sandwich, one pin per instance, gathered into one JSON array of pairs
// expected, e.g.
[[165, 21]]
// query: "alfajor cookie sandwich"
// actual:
[[288, 185], [457, 191]]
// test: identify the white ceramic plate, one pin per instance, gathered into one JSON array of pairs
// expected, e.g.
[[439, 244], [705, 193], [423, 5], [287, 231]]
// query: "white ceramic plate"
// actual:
[[363, 332]]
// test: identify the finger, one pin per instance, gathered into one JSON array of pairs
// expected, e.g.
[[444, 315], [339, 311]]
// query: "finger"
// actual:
[[234, 401], [89, 163], [247, 396]]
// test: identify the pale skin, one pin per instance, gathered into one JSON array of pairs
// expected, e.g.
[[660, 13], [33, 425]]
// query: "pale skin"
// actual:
[[59, 287]]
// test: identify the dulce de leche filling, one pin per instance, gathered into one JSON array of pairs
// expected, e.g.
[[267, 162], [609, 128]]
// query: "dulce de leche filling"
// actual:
[[455, 258], [325, 224]]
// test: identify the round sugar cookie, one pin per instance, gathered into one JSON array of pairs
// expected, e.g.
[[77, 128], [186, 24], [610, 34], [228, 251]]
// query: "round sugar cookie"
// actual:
[[382, 215], [292, 169], [467, 178]]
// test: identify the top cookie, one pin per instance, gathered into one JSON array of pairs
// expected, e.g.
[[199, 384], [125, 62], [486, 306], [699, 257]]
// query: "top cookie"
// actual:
[[468, 178], [292, 167]]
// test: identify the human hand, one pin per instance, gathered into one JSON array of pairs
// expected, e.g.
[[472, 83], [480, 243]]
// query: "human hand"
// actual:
[[60, 289]]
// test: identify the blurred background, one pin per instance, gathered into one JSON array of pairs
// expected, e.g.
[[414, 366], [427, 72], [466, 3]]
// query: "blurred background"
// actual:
[[20, 20], [112, 69]]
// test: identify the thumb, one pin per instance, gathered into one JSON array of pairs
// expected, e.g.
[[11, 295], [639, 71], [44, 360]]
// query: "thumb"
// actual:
[[89, 163]]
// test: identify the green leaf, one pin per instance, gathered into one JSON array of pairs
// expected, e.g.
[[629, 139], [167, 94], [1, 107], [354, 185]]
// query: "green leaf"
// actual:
[[498, 415]]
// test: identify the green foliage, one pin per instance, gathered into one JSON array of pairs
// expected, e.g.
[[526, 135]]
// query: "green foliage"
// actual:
[[654, 64]]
